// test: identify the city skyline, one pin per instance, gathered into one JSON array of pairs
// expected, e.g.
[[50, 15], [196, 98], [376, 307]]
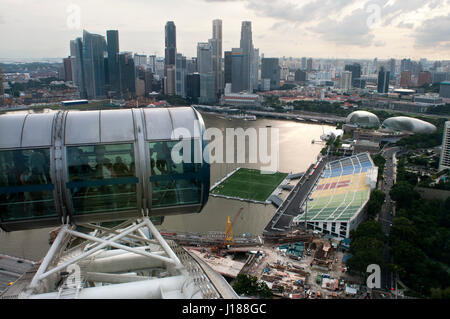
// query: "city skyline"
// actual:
[[361, 30]]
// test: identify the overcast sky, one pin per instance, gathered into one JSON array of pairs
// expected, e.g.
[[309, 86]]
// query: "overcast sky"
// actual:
[[297, 28]]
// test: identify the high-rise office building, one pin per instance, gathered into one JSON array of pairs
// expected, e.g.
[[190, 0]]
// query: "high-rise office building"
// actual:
[[152, 63], [406, 65], [309, 65], [181, 72], [247, 58], [94, 49], [170, 80], [2, 89], [193, 87], [217, 55], [300, 76], [383, 81], [112, 38], [270, 69], [345, 82], [405, 79], [304, 64], [255, 69], [237, 56], [67, 63], [205, 51], [127, 73], [424, 78], [444, 162], [355, 68], [444, 90], [76, 53], [170, 58], [140, 59], [228, 67], [191, 65], [392, 66]]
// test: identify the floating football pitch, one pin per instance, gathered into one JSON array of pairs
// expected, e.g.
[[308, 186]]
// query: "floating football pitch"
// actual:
[[249, 184]]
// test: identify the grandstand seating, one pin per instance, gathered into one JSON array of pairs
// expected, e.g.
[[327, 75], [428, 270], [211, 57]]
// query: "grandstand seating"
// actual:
[[341, 191]]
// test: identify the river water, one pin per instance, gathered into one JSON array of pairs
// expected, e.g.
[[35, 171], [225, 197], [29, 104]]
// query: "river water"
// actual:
[[296, 153]]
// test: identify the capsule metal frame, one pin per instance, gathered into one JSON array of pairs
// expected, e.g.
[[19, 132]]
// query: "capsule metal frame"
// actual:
[[61, 130]]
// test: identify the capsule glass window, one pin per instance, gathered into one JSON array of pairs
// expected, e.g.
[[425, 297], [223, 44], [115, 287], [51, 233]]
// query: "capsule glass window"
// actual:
[[102, 178], [26, 189], [175, 182]]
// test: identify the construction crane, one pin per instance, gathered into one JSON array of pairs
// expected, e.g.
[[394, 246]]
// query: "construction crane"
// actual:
[[229, 238]]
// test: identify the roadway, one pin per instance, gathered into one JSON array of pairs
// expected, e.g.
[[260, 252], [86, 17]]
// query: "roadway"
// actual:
[[387, 210], [291, 206]]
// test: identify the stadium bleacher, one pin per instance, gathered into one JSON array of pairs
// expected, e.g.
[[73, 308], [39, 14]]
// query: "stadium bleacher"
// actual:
[[342, 191]]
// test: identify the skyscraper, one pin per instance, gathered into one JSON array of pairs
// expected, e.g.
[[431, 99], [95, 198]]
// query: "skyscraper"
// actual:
[[127, 75], [217, 55], [205, 51], [181, 73], [247, 58], [228, 67], [152, 62], [67, 69], [112, 37], [255, 69], [2, 89], [304, 64], [309, 65], [444, 162], [76, 53], [405, 79], [270, 69], [392, 66], [94, 49], [140, 59], [345, 82], [355, 68], [383, 81], [237, 77], [170, 58], [424, 78]]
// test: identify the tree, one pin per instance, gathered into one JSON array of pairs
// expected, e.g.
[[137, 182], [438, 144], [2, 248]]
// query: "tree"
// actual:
[[367, 243], [403, 193], [375, 202], [249, 285]]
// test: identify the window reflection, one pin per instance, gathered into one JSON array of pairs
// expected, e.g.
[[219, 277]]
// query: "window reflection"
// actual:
[[102, 178], [173, 183], [26, 190]]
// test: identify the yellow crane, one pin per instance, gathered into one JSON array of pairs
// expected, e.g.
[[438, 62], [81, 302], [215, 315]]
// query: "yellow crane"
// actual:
[[229, 238]]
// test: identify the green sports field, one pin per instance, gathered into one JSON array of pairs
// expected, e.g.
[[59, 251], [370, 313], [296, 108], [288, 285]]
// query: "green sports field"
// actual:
[[249, 184]]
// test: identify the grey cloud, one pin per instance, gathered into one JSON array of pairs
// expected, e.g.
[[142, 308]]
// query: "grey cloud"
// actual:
[[352, 30], [404, 25], [292, 12], [434, 32], [2, 20]]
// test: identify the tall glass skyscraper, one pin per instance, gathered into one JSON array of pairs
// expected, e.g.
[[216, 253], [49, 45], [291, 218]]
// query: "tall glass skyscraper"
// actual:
[[247, 51], [217, 55], [112, 37], [383, 81], [170, 58], [237, 69], [270, 69], [76, 53], [127, 75], [94, 48]]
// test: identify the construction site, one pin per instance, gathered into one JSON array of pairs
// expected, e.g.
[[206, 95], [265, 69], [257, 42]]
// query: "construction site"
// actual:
[[294, 264]]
